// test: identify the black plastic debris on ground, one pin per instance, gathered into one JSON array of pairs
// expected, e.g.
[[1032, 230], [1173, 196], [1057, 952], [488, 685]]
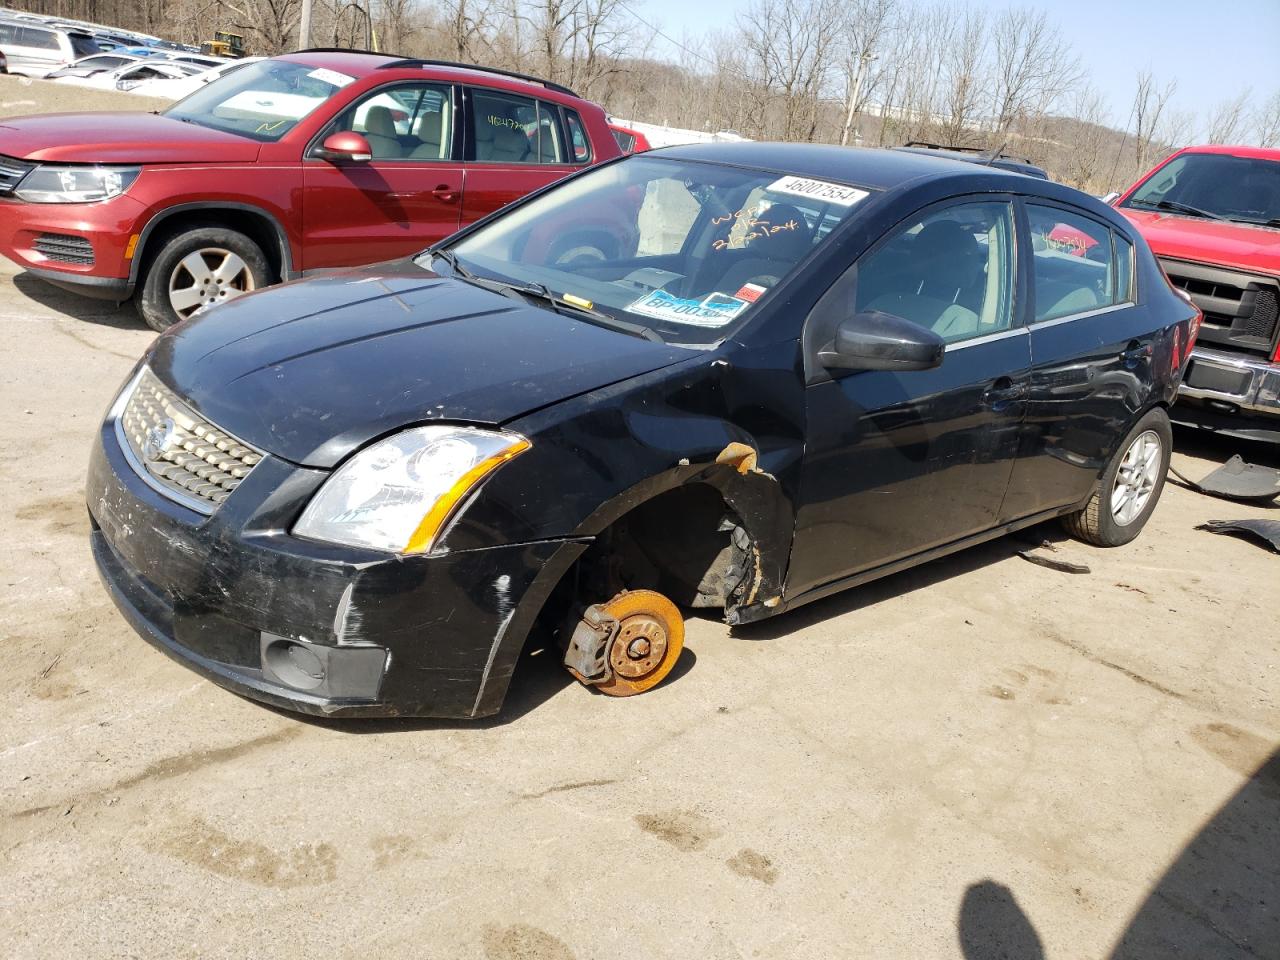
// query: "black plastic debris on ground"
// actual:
[[1237, 480], [1265, 531]]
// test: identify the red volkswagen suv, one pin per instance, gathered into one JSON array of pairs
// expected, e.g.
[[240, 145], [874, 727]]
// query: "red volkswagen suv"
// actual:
[[284, 166]]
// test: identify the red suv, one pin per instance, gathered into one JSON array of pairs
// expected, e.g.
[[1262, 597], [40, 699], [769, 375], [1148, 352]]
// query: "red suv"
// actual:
[[284, 166], [1212, 216]]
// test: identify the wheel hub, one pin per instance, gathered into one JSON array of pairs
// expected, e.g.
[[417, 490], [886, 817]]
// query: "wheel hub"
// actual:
[[640, 646]]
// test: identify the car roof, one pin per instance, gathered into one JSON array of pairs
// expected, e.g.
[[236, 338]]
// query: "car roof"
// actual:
[[361, 65], [863, 166], [1012, 164], [1256, 153]]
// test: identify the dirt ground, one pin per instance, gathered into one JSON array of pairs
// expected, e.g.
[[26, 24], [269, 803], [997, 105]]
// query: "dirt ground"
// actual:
[[981, 758]]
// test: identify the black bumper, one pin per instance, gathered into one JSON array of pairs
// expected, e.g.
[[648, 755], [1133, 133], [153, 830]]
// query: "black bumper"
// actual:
[[434, 636], [114, 289]]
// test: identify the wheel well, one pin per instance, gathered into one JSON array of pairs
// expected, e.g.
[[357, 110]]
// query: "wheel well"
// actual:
[[686, 543], [256, 226]]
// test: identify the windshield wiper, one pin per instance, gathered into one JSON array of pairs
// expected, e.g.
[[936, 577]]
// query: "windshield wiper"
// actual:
[[1177, 207], [540, 291], [1275, 222]]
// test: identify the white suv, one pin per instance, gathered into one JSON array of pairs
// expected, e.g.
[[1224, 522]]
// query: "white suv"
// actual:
[[36, 50]]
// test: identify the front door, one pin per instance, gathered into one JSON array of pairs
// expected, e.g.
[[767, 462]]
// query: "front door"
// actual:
[[898, 463], [407, 197]]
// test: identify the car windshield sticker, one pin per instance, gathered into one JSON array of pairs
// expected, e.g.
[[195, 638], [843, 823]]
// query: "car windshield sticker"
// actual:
[[711, 311], [751, 291], [836, 193], [331, 77]]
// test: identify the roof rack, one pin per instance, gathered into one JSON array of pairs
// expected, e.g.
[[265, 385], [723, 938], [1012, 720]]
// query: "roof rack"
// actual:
[[415, 62], [369, 53], [996, 155]]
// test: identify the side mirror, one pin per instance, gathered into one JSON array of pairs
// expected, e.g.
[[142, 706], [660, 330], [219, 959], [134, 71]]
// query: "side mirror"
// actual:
[[1110, 198], [346, 146], [873, 340]]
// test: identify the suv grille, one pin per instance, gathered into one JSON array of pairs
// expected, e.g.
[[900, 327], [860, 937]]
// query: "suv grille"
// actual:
[[65, 248], [180, 454], [1240, 310], [11, 171]]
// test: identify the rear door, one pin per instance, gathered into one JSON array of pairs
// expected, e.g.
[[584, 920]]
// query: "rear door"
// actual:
[[1092, 349], [515, 144], [406, 198], [897, 463]]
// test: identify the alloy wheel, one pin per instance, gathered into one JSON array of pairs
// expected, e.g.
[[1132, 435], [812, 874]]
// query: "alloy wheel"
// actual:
[[1136, 478], [205, 277]]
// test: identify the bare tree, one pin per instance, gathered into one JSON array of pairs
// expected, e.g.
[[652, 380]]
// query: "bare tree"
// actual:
[[1229, 119], [1266, 122], [1088, 139], [1149, 103], [1033, 66], [964, 66], [865, 26]]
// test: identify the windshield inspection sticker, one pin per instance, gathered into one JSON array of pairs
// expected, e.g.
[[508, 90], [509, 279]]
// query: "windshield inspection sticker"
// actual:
[[821, 190], [331, 77], [712, 311]]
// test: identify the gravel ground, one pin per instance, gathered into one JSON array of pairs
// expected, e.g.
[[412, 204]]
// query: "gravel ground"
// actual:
[[980, 758]]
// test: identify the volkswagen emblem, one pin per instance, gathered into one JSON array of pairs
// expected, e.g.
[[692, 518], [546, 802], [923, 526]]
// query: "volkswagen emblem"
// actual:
[[159, 440]]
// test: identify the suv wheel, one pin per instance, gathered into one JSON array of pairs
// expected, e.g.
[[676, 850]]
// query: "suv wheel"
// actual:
[[196, 269], [1130, 486]]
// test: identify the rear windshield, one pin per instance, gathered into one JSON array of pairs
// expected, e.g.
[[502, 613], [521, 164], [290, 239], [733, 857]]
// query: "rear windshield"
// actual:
[[1214, 186], [262, 101], [684, 249]]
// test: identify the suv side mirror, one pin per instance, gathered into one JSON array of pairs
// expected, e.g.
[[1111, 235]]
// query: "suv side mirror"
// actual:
[[346, 145], [873, 340]]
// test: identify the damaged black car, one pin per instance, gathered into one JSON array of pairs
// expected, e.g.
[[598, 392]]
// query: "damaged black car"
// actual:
[[755, 375]]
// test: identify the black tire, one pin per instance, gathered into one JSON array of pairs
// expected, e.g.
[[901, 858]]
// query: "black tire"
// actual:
[[1098, 523], [154, 303]]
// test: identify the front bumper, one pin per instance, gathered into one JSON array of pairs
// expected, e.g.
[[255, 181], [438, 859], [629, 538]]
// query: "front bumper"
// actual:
[[1231, 393], [310, 627], [90, 258]]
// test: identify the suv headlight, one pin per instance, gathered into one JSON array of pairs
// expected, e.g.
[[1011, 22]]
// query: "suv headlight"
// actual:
[[50, 184], [399, 493]]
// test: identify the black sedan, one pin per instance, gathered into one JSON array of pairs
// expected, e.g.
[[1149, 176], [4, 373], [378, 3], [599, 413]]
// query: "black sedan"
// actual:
[[758, 375]]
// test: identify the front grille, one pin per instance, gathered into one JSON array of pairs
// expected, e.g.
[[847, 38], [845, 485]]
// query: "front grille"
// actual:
[[11, 171], [65, 248], [1241, 311], [179, 452]]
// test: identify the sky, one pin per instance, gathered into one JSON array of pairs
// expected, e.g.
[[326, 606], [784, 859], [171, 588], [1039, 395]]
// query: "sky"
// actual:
[[1187, 40]]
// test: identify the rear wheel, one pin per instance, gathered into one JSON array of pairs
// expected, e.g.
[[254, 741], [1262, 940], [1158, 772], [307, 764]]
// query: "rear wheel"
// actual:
[[197, 269], [1130, 486]]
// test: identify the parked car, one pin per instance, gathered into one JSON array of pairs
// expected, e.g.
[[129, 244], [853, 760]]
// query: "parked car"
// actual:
[[629, 140], [96, 63], [358, 494], [281, 168], [990, 158], [1212, 216], [176, 89], [131, 74], [35, 50]]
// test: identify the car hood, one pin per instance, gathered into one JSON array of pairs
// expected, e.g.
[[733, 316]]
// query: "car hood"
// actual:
[[1236, 245], [312, 370], [120, 138]]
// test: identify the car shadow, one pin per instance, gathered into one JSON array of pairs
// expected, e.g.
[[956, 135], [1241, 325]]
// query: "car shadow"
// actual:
[[1217, 900], [1218, 448], [102, 312], [907, 581]]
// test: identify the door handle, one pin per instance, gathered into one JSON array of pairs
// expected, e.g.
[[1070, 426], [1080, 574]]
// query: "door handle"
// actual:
[[445, 192], [1135, 352], [1004, 391]]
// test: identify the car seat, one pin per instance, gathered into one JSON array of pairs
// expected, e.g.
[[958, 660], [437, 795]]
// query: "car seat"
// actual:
[[948, 258], [380, 131], [429, 130], [772, 255], [500, 143]]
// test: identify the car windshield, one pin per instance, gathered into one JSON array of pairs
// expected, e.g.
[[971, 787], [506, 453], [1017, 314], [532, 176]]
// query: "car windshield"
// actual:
[[678, 249], [1216, 186], [262, 101]]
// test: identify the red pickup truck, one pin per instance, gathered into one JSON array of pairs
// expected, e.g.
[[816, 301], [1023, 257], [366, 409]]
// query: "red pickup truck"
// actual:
[[303, 162], [1212, 216]]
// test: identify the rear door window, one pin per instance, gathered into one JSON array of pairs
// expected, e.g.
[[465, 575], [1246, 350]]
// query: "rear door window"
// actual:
[[1073, 263], [37, 39], [578, 139], [508, 128]]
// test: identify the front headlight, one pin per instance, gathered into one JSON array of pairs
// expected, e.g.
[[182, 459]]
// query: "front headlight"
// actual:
[[46, 184], [399, 493]]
